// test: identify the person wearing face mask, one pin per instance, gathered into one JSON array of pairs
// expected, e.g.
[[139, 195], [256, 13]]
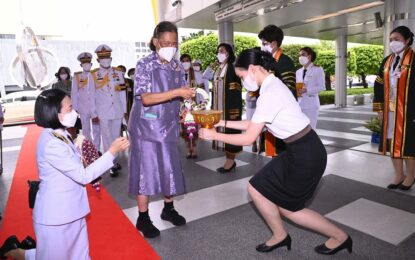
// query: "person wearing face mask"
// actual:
[[154, 159], [187, 128], [201, 82], [226, 97], [61, 205], [83, 99], [64, 82], [110, 99], [271, 37], [394, 100], [312, 78], [282, 187]]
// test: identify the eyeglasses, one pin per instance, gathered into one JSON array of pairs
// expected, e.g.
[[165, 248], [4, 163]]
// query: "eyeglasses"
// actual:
[[169, 44]]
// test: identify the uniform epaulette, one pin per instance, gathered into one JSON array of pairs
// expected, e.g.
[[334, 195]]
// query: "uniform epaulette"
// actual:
[[116, 68], [94, 70]]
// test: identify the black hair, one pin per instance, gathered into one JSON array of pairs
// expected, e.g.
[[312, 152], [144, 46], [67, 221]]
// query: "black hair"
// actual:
[[310, 52], [405, 32], [229, 50], [66, 69], [131, 70], [185, 56], [162, 27], [47, 107], [255, 56], [272, 33], [122, 67]]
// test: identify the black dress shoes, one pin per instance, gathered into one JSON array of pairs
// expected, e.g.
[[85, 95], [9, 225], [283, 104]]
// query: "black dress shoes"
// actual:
[[9, 244], [324, 250], [147, 228], [224, 170], [28, 243], [285, 242], [113, 172], [173, 216], [394, 186]]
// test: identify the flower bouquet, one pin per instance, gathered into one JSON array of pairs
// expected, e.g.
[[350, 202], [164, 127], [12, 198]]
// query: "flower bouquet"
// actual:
[[89, 154]]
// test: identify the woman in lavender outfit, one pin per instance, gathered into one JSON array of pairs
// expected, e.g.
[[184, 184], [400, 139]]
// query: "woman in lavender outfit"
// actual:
[[154, 161]]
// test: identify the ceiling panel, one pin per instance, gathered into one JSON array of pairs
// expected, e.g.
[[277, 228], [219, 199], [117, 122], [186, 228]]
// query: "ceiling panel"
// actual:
[[291, 19]]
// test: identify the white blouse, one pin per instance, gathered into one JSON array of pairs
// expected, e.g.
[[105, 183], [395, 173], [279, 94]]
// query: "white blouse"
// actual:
[[278, 109]]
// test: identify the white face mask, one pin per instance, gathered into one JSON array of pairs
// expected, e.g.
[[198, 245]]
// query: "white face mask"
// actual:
[[250, 84], [221, 57], [303, 60], [63, 76], [266, 48], [105, 63], [86, 66], [396, 46], [69, 119], [186, 65], [167, 53], [196, 67]]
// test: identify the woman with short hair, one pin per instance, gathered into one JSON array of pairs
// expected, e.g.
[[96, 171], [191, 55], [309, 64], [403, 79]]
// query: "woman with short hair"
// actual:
[[61, 204]]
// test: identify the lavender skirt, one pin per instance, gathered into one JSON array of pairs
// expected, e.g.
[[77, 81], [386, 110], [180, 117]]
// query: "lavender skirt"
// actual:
[[154, 167]]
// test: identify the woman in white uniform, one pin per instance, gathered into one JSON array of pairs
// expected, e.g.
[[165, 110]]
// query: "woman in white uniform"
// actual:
[[283, 186], [61, 202], [313, 78]]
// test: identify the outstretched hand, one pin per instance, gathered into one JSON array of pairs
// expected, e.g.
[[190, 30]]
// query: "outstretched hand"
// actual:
[[120, 144], [207, 134]]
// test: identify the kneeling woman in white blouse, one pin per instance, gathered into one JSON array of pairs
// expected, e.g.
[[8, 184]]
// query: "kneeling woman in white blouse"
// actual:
[[284, 185], [61, 202]]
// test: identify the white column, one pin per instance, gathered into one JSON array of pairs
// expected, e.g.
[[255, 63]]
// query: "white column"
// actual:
[[225, 31], [397, 12], [341, 71]]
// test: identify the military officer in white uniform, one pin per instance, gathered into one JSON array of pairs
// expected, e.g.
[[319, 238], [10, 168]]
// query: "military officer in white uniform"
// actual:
[[110, 99], [83, 99], [313, 78]]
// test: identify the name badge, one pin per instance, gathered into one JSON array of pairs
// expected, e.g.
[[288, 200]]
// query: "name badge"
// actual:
[[150, 115]]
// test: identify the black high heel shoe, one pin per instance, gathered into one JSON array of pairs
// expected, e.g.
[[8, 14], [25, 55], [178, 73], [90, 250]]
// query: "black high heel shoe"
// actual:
[[285, 242], [324, 250], [9, 244], [223, 170], [28, 243], [393, 186], [404, 187]]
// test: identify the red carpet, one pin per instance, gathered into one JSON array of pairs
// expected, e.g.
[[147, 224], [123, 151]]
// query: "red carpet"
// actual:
[[111, 234]]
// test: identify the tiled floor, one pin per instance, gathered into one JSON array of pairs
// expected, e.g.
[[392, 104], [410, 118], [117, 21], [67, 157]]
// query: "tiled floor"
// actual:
[[223, 223]]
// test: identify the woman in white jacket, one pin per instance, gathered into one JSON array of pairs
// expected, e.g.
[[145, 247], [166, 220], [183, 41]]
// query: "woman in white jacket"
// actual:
[[313, 78], [61, 202]]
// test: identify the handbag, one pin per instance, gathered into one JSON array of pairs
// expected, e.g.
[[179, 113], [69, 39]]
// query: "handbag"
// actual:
[[33, 189]]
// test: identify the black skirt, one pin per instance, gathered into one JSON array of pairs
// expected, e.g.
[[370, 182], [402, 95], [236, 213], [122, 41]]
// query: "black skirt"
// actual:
[[290, 179]]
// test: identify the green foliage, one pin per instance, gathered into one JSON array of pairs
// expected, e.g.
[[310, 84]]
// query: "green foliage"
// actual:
[[327, 97], [351, 62], [374, 125], [326, 59], [325, 46], [368, 59], [204, 47], [359, 91], [193, 36]]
